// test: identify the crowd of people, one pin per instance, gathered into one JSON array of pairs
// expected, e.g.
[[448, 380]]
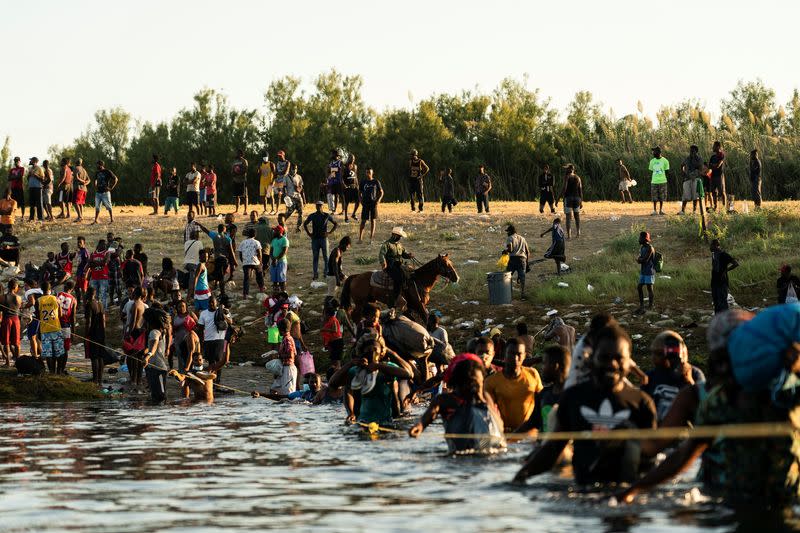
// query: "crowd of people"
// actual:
[[178, 322]]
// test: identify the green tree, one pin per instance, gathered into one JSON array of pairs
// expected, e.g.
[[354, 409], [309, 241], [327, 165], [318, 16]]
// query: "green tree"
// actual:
[[751, 105]]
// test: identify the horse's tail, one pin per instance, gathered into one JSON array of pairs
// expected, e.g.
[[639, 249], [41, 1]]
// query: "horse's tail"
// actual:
[[345, 297]]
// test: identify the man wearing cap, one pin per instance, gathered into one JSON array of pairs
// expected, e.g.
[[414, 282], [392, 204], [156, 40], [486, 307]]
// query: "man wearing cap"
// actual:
[[15, 177], [319, 221], [266, 177], [417, 169], [104, 183], [35, 177], [647, 272], [239, 179], [658, 184], [391, 257], [518, 254]]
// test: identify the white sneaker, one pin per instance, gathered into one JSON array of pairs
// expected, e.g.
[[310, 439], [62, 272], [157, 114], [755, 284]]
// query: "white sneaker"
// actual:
[[654, 213]]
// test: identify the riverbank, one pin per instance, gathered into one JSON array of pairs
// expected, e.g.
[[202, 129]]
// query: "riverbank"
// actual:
[[602, 274]]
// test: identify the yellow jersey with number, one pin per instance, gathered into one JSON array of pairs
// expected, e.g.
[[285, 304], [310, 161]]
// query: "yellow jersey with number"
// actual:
[[49, 309]]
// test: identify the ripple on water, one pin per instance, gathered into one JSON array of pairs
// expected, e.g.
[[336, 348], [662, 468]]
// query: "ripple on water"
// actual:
[[253, 465]]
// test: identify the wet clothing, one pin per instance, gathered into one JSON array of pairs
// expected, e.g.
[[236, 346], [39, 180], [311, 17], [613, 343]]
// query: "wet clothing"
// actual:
[[585, 407], [664, 384], [462, 417], [515, 397], [757, 473], [376, 405]]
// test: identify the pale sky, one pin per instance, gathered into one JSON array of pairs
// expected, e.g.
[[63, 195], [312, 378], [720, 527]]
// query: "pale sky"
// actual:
[[63, 60]]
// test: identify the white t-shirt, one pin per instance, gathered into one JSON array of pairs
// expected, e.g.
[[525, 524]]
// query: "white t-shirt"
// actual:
[[192, 181], [286, 383], [251, 252], [210, 331], [191, 252]]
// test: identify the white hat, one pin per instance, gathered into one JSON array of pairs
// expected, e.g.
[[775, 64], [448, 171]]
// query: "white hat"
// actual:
[[398, 230]]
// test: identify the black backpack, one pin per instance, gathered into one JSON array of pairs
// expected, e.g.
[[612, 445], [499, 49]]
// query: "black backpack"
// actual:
[[219, 320]]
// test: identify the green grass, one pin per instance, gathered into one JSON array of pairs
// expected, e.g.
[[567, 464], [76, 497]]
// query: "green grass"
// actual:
[[449, 236], [44, 388], [365, 260]]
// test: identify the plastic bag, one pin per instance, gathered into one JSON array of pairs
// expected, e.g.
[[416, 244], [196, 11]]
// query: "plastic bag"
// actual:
[[502, 263]]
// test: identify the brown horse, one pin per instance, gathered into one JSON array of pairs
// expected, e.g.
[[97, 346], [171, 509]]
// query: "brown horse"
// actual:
[[358, 291]]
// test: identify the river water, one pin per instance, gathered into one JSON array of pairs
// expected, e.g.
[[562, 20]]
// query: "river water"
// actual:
[[244, 464]]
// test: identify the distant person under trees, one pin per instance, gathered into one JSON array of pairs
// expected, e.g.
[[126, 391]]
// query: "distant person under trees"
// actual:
[[192, 182], [239, 180], [371, 193], [483, 184], [716, 162], [417, 170], [573, 200], [755, 178], [155, 184], [282, 179], [16, 175], [448, 184], [658, 183], [350, 186], [547, 183], [104, 183], [691, 168], [81, 184], [624, 182], [266, 181], [333, 181]]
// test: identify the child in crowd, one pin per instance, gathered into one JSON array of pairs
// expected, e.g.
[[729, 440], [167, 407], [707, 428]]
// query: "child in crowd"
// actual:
[[557, 251], [287, 382], [332, 334], [555, 366]]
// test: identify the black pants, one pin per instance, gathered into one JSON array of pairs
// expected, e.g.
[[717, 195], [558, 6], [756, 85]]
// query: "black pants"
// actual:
[[546, 197], [755, 191], [482, 201], [246, 269], [395, 272], [19, 196], [157, 381], [415, 191], [719, 295], [447, 203], [35, 199]]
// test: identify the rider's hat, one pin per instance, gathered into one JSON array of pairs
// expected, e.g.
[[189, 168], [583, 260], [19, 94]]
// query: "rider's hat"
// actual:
[[398, 230]]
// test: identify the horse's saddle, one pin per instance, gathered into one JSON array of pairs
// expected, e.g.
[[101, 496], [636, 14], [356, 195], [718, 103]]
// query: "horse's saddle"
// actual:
[[381, 280]]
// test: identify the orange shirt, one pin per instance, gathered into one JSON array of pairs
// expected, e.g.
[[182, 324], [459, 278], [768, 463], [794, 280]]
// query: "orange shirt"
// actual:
[[7, 208], [515, 397]]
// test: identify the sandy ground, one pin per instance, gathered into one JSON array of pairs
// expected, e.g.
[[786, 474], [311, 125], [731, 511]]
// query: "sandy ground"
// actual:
[[465, 235]]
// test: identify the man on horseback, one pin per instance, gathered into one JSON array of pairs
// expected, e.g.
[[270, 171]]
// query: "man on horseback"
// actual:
[[391, 258]]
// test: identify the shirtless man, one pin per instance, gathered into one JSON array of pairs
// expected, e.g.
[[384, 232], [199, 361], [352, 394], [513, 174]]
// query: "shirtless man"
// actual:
[[9, 330]]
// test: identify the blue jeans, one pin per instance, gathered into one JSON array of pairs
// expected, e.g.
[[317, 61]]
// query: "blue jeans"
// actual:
[[101, 290], [319, 244]]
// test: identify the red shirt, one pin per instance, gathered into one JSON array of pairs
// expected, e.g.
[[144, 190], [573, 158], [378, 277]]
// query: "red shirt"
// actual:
[[66, 302], [15, 176], [331, 324], [155, 174], [65, 262], [98, 263], [211, 183]]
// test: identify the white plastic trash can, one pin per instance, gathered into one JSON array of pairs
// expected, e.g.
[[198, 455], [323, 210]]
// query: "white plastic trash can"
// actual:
[[499, 287]]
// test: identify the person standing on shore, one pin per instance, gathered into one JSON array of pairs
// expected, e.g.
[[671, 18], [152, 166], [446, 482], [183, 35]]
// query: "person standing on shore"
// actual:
[[319, 232], [658, 183], [417, 170], [16, 174], [64, 187], [647, 271], [518, 255], [547, 183], [483, 184], [192, 182], [624, 181], [104, 183], [239, 180], [716, 162], [81, 180], [266, 179], [35, 178], [155, 184], [755, 178], [448, 189], [721, 263], [691, 169], [281, 180], [350, 186], [371, 193], [573, 200]]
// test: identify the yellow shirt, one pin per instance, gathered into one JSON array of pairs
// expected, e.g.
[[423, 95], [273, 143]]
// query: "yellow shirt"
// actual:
[[515, 397], [49, 314], [265, 172]]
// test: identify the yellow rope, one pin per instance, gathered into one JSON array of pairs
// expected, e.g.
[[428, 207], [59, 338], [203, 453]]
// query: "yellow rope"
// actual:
[[730, 431]]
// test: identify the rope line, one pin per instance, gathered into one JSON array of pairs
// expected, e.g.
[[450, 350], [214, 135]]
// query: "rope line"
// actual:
[[731, 431]]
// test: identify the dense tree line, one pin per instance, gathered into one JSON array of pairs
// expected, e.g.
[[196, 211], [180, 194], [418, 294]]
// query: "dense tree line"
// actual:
[[512, 129]]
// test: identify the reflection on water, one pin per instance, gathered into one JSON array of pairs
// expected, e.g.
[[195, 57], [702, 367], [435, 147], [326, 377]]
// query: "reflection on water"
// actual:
[[251, 465]]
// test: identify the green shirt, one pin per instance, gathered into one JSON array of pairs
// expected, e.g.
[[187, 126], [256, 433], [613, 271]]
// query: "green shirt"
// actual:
[[263, 235], [278, 245], [659, 167], [391, 252], [377, 405]]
